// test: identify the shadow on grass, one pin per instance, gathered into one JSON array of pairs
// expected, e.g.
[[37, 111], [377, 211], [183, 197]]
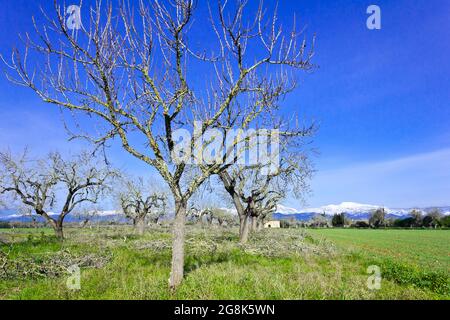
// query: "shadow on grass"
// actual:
[[238, 257]]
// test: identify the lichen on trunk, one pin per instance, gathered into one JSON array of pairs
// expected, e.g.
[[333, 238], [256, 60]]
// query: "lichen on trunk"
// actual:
[[177, 273]]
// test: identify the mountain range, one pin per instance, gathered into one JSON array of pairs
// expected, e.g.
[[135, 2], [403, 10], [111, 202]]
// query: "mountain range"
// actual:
[[354, 211]]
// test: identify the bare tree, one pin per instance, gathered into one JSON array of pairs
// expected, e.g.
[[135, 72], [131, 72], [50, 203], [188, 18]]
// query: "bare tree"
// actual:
[[196, 214], [139, 203], [133, 71], [417, 217], [39, 184], [378, 218], [223, 217], [265, 206], [87, 215], [256, 193], [432, 218], [211, 214], [254, 196]]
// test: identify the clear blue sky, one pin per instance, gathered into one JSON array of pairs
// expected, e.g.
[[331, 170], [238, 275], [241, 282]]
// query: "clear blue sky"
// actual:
[[382, 98]]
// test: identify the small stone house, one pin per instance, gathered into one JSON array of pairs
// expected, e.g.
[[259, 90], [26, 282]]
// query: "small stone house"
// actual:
[[272, 224]]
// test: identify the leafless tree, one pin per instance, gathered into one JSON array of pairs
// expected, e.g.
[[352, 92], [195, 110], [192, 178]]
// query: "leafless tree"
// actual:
[[265, 205], [139, 203], [256, 195], [86, 215], [211, 214], [134, 71], [196, 214], [223, 217], [38, 184]]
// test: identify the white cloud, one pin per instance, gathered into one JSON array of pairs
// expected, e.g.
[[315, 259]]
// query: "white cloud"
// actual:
[[418, 180]]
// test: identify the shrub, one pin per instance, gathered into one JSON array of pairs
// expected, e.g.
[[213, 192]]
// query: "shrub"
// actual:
[[404, 223], [445, 222], [361, 224], [430, 221], [5, 225]]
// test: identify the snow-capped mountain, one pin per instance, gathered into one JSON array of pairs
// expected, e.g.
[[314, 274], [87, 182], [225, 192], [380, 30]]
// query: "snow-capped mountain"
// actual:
[[107, 215], [353, 210], [286, 210], [353, 207]]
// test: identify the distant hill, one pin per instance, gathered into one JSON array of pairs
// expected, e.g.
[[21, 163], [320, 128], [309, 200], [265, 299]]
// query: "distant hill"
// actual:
[[11, 215], [354, 211]]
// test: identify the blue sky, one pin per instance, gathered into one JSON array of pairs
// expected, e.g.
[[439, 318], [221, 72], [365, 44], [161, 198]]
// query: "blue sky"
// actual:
[[382, 98]]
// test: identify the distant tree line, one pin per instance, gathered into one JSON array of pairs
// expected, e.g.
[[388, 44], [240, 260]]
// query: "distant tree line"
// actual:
[[416, 219]]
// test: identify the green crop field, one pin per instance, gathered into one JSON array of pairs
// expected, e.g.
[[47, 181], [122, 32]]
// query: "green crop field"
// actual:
[[115, 263], [427, 249]]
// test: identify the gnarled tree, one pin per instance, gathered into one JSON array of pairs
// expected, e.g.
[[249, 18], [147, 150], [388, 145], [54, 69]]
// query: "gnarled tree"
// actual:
[[139, 203], [256, 190], [136, 72], [40, 184]]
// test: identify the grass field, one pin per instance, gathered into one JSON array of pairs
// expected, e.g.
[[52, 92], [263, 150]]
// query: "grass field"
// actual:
[[275, 264], [427, 249]]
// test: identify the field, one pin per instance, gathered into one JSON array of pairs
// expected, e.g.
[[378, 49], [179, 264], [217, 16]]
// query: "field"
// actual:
[[424, 249], [275, 264]]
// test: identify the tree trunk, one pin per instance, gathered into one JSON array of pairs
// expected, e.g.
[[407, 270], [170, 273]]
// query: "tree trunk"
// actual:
[[260, 225], [243, 219], [56, 224], [254, 224], [58, 227], [140, 226], [243, 229], [177, 272]]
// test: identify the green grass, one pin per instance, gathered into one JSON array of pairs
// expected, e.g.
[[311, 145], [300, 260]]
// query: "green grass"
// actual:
[[420, 258], [427, 249], [276, 264]]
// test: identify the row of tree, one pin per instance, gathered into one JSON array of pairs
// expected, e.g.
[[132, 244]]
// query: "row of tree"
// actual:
[[416, 219], [377, 219]]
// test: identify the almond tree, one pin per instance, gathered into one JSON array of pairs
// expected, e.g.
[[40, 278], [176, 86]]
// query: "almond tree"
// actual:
[[135, 72], [197, 215], [256, 194], [265, 205], [139, 203], [38, 184]]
